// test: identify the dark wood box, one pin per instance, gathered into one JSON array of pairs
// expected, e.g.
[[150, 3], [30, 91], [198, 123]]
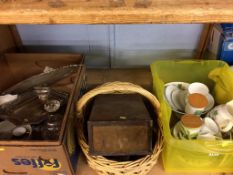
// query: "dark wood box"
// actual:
[[119, 124]]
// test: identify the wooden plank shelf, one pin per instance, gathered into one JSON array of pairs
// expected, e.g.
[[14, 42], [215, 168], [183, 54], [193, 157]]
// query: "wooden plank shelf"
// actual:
[[114, 11], [84, 169]]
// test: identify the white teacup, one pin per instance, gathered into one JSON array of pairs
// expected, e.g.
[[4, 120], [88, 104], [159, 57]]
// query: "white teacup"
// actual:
[[191, 124], [230, 107], [209, 130], [196, 104], [222, 117], [199, 88], [196, 91]]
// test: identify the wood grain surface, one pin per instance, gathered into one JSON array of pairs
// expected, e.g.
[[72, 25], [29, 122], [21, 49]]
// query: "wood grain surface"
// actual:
[[84, 169], [7, 41], [115, 11], [204, 41]]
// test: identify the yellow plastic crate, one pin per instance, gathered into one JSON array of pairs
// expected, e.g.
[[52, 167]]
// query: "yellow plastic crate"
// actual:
[[191, 155]]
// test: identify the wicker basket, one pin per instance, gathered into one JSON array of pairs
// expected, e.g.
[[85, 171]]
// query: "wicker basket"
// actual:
[[103, 165]]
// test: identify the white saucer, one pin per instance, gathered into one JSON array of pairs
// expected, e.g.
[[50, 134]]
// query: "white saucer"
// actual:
[[175, 93], [178, 132], [209, 130]]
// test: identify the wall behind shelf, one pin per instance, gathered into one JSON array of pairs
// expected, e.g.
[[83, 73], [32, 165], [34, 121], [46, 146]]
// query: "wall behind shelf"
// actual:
[[115, 45]]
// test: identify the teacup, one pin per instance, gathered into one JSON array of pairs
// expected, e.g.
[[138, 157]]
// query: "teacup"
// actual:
[[229, 106], [196, 104], [199, 88], [222, 117], [191, 125], [209, 130]]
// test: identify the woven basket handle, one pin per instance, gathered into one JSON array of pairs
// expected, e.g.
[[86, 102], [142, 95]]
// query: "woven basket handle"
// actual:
[[116, 88]]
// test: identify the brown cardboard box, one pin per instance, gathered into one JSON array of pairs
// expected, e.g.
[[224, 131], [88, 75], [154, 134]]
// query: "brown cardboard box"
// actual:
[[41, 157]]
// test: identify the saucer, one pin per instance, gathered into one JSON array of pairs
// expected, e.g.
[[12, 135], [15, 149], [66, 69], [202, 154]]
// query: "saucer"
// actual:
[[179, 133], [209, 130], [175, 93]]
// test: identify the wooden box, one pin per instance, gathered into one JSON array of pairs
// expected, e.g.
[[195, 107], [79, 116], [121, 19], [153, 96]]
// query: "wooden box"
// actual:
[[119, 124], [36, 157]]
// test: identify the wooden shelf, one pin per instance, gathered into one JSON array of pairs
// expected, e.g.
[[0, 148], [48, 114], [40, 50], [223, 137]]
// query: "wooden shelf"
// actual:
[[114, 11], [84, 169]]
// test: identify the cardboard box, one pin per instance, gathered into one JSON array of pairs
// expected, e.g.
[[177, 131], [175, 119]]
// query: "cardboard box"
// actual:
[[41, 157], [215, 40], [221, 43]]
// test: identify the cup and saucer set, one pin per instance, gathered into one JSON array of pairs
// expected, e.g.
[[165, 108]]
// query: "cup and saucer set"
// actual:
[[198, 118]]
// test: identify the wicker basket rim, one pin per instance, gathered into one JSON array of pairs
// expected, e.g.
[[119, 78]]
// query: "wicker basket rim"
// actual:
[[101, 164]]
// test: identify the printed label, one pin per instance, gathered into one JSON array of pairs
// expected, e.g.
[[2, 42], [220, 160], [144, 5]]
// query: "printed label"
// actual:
[[214, 154], [46, 165], [230, 46]]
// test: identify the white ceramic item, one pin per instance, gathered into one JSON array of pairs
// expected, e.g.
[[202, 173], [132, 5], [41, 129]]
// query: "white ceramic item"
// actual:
[[177, 97], [179, 132], [176, 130], [168, 95], [211, 125], [175, 94], [211, 102], [192, 110], [192, 124], [198, 88], [19, 131], [184, 129], [7, 98], [196, 104], [229, 106], [210, 105], [206, 136], [222, 117], [209, 130], [22, 130]]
